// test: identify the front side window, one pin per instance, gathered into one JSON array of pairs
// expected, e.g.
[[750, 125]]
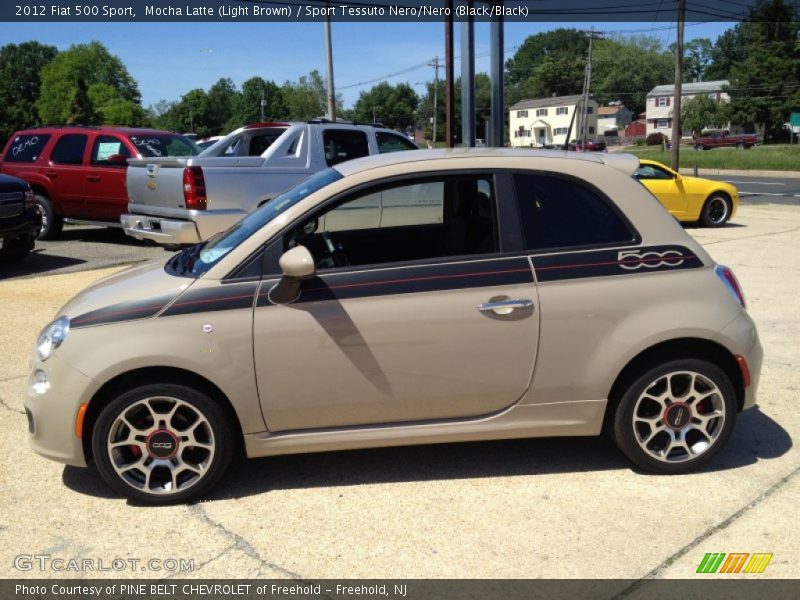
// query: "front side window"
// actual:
[[426, 219], [106, 146], [651, 172], [558, 212], [69, 149], [344, 144], [390, 142], [26, 148]]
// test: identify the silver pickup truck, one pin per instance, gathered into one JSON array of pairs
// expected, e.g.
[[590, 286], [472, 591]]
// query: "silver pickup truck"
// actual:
[[175, 201]]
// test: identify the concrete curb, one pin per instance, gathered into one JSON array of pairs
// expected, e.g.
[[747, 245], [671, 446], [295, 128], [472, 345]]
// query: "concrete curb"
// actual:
[[741, 173]]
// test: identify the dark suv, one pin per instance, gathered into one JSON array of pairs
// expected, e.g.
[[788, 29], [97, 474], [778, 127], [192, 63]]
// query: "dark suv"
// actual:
[[20, 219], [78, 173]]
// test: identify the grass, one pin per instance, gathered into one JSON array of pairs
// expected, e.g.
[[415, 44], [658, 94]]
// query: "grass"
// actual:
[[769, 158]]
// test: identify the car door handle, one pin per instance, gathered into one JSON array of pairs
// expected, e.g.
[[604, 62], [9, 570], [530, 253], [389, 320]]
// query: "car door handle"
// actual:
[[52, 174], [504, 307], [93, 178]]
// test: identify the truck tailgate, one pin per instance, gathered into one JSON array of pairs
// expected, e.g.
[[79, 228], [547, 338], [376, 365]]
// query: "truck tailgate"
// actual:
[[155, 185]]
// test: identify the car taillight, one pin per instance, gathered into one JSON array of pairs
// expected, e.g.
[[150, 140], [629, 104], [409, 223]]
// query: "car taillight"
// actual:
[[194, 188], [727, 277], [30, 199]]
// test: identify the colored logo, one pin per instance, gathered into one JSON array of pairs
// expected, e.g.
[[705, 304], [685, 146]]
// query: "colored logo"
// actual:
[[735, 562]]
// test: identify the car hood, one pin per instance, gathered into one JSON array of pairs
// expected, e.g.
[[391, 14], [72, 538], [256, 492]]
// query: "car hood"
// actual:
[[135, 293]]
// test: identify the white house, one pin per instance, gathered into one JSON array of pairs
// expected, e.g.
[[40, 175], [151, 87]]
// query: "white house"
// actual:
[[613, 118], [661, 100], [545, 121]]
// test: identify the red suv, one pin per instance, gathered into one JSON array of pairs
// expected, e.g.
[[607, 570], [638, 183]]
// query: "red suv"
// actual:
[[78, 173]]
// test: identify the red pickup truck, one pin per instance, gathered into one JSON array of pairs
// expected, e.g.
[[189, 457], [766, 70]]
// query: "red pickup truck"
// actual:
[[78, 173], [724, 139]]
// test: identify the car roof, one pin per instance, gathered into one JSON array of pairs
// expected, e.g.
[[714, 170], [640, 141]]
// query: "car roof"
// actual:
[[627, 163], [75, 128]]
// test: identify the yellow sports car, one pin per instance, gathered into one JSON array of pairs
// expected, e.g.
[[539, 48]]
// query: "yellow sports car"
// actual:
[[710, 202]]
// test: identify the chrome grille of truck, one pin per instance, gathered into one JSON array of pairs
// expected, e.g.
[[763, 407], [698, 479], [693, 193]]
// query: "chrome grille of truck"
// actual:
[[11, 204]]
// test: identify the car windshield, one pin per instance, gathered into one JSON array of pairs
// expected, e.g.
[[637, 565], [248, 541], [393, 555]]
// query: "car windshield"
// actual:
[[153, 146], [200, 258]]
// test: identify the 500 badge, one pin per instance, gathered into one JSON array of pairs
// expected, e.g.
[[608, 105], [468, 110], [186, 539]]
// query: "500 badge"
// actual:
[[633, 259]]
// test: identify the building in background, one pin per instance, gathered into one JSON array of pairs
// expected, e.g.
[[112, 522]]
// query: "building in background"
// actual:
[[661, 100], [545, 121], [613, 118]]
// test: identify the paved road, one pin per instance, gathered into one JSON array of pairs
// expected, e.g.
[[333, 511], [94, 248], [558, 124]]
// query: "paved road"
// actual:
[[518, 509], [764, 190], [79, 249]]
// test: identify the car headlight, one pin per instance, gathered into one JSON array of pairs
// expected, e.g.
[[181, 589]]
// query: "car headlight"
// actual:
[[52, 337]]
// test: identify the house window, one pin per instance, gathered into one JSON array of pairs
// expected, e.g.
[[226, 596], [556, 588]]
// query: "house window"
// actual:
[[591, 129], [541, 112], [560, 131], [562, 110], [522, 114], [662, 101], [589, 110], [662, 123]]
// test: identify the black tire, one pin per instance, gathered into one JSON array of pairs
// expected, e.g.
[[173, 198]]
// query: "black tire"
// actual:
[[740, 146], [222, 439], [716, 211], [52, 224], [624, 430], [699, 147]]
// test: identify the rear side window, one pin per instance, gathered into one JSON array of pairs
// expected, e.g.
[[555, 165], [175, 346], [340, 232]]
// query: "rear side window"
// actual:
[[344, 144], [106, 146], [26, 148], [69, 149], [259, 143], [560, 213], [390, 142], [156, 145]]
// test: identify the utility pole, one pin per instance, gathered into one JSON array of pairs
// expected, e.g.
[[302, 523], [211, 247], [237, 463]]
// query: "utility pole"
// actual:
[[263, 104], [329, 63], [449, 134], [676, 104], [436, 66], [587, 84]]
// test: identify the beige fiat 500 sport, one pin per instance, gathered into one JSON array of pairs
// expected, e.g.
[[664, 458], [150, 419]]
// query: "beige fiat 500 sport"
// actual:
[[411, 298]]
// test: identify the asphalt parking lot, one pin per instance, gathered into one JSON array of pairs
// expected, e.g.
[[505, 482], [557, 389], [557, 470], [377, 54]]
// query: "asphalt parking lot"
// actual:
[[515, 509]]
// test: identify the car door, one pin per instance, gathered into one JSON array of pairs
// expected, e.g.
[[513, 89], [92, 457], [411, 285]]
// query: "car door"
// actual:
[[67, 172], [415, 314], [106, 198], [665, 186]]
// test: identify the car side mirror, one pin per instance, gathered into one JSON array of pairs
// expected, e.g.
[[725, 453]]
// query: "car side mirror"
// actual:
[[296, 265], [118, 160], [678, 177]]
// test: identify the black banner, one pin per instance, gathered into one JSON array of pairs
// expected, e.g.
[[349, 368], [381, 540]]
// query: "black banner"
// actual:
[[399, 589], [289, 11]]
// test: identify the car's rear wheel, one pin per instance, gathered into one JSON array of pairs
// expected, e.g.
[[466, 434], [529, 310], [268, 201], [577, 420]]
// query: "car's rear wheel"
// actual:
[[52, 224], [740, 146], [162, 443], [716, 211], [676, 416]]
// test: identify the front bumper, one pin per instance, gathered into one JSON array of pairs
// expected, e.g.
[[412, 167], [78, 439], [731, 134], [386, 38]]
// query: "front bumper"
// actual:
[[51, 415]]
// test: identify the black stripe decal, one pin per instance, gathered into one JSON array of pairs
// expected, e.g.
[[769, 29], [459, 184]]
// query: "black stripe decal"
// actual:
[[224, 297], [605, 263], [124, 311], [424, 278]]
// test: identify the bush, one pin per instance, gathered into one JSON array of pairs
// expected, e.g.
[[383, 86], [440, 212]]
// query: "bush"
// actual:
[[656, 139]]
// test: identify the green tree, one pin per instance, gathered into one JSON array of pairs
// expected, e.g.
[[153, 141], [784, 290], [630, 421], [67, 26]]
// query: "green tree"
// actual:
[[223, 98], [87, 63], [248, 105], [20, 81], [112, 109], [697, 58], [765, 76], [393, 105], [626, 68], [483, 94], [700, 112], [306, 98]]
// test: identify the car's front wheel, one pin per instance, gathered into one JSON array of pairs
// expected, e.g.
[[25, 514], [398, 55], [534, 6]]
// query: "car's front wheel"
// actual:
[[162, 443], [675, 417], [716, 211], [699, 147]]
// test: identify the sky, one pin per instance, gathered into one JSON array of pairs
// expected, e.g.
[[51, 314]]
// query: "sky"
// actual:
[[169, 59]]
